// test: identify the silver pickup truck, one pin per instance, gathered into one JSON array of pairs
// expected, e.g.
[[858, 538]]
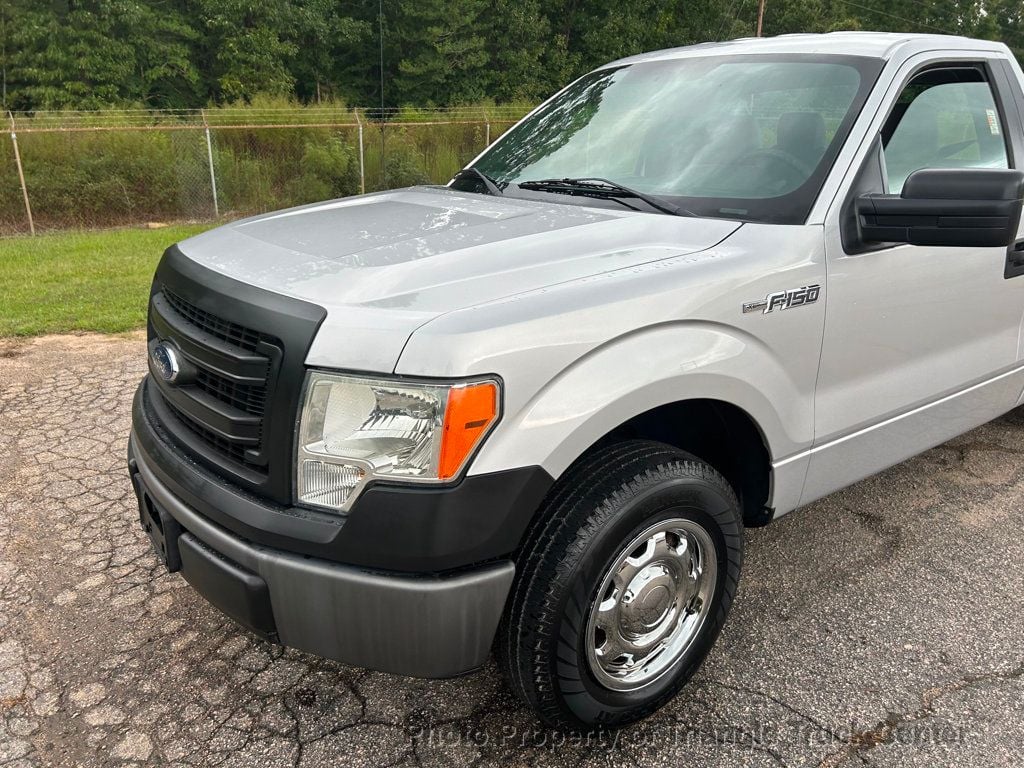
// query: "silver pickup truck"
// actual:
[[535, 409]]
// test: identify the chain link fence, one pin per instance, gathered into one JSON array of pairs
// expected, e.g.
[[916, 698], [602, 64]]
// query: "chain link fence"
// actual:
[[83, 170]]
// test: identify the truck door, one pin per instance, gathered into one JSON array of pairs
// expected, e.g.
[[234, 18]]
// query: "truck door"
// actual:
[[920, 342]]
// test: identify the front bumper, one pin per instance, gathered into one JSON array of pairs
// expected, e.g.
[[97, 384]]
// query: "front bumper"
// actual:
[[422, 626], [417, 529]]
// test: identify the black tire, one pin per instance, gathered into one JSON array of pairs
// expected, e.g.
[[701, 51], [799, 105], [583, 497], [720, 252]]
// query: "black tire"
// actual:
[[603, 502]]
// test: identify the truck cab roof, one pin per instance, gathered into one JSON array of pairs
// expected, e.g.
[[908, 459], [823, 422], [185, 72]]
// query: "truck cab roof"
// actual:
[[879, 45]]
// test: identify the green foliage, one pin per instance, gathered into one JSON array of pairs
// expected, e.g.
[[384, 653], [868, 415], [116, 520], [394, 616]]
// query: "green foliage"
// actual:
[[330, 168], [83, 54], [444, 53], [284, 54], [322, 33], [110, 178], [97, 53], [526, 60], [245, 44]]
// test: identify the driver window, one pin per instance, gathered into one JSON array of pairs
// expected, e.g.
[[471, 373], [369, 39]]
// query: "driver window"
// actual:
[[944, 118]]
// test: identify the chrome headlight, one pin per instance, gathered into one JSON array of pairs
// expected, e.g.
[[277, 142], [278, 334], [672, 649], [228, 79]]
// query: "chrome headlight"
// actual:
[[352, 429]]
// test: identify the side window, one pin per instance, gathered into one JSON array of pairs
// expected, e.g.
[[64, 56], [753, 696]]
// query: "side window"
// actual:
[[944, 118]]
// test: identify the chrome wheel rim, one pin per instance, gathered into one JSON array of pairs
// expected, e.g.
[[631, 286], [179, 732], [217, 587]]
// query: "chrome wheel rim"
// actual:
[[651, 604]]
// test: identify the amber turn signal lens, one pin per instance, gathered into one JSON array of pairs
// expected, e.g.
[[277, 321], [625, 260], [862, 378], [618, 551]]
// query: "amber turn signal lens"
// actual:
[[469, 414]]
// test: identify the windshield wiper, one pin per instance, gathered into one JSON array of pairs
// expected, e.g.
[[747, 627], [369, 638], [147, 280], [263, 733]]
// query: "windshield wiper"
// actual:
[[490, 184], [598, 187]]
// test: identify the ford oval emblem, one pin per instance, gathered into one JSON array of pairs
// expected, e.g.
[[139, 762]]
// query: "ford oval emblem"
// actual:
[[165, 362]]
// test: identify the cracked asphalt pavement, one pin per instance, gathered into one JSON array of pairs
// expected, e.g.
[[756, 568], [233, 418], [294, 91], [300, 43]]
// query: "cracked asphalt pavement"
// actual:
[[881, 626]]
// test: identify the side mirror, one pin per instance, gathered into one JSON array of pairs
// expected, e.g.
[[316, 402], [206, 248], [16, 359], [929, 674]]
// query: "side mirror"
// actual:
[[968, 207]]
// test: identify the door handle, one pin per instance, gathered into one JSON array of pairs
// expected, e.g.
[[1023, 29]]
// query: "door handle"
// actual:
[[1014, 259]]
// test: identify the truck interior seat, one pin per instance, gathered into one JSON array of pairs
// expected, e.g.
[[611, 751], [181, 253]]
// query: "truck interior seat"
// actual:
[[802, 135]]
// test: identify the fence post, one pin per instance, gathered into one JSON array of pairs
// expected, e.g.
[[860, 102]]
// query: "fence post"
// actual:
[[209, 157], [362, 161], [21, 175], [487, 140]]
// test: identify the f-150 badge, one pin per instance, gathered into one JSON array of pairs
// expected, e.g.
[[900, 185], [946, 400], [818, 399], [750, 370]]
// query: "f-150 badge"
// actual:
[[780, 300]]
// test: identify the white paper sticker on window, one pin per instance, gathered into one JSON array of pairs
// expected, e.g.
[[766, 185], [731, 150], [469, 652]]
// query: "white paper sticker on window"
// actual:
[[993, 121]]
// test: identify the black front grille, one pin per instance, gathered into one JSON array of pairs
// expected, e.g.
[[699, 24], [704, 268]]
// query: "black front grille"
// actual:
[[251, 399], [221, 445], [232, 333], [243, 349], [223, 397]]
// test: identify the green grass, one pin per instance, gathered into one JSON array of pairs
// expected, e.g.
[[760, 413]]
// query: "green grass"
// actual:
[[82, 281]]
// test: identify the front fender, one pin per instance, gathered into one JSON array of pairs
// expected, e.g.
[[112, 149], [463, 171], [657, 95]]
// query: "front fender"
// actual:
[[581, 358], [641, 371]]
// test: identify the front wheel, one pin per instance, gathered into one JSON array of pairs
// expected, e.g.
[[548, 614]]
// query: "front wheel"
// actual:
[[622, 586]]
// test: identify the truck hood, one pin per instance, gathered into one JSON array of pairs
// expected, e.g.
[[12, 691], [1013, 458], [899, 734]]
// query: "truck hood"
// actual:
[[382, 265]]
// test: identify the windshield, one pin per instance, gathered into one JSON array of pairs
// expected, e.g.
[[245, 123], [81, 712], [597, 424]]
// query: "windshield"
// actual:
[[747, 137]]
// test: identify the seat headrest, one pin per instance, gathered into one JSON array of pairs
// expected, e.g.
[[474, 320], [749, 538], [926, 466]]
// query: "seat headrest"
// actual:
[[801, 133]]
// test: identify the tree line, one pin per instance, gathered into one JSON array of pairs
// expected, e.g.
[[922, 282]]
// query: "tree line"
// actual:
[[93, 54]]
